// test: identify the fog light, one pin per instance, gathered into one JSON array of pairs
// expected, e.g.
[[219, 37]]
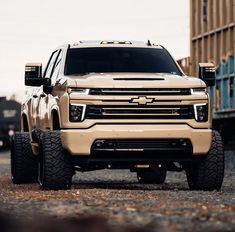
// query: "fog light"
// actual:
[[11, 133], [201, 112], [183, 143], [99, 143], [77, 113]]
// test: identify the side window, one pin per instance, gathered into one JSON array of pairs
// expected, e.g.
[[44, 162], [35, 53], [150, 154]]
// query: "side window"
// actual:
[[51, 64], [56, 68]]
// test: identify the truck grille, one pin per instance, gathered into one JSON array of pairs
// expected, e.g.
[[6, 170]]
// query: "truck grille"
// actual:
[[142, 91], [139, 112]]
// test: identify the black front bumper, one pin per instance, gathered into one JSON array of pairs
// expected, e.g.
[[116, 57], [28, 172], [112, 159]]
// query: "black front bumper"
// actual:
[[141, 151]]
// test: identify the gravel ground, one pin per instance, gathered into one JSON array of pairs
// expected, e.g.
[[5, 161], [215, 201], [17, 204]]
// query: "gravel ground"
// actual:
[[120, 202]]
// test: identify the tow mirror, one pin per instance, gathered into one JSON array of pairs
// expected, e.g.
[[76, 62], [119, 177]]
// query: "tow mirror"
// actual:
[[207, 73], [33, 75]]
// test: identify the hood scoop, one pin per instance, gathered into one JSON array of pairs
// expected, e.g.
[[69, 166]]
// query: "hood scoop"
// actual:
[[138, 79]]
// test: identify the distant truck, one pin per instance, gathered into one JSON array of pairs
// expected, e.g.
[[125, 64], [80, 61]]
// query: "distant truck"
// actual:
[[9, 120]]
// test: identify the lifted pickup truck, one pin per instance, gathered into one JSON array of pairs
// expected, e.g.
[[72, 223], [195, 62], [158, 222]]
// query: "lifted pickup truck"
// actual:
[[116, 105]]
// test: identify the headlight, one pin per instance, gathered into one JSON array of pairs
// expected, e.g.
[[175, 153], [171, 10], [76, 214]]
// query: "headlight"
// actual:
[[77, 112], [201, 112], [78, 90], [199, 91]]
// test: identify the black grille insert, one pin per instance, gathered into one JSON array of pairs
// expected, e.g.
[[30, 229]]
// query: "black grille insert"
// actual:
[[139, 112], [142, 91]]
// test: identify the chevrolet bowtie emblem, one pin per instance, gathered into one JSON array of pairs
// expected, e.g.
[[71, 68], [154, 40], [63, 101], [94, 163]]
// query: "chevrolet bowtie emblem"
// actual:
[[142, 100]]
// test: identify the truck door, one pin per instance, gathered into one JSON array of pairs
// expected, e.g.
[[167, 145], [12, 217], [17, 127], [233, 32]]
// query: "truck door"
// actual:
[[47, 100], [38, 106]]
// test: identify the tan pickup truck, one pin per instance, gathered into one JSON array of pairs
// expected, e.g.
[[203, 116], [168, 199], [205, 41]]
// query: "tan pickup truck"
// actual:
[[116, 105]]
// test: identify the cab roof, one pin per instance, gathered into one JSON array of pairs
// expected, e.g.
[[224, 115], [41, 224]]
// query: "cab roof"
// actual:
[[113, 43]]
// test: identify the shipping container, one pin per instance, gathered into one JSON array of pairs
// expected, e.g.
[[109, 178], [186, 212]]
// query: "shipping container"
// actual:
[[212, 40]]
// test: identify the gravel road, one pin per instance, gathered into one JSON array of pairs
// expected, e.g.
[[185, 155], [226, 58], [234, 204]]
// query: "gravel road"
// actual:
[[120, 202]]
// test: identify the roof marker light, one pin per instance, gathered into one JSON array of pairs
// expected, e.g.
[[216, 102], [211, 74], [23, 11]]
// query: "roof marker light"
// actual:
[[149, 43]]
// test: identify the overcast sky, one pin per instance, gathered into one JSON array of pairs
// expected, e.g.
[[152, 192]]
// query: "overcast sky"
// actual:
[[30, 29]]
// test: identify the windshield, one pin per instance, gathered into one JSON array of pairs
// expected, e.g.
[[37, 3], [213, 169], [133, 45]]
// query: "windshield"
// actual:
[[81, 61]]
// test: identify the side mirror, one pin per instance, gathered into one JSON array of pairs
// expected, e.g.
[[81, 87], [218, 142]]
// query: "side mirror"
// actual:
[[207, 73], [33, 75]]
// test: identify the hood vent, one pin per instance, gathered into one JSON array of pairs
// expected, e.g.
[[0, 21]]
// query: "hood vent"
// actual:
[[138, 79]]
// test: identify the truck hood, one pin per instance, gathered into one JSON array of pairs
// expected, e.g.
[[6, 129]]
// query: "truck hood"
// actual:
[[131, 80]]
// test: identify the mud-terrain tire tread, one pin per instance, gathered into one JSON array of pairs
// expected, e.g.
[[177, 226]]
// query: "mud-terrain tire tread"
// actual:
[[152, 176], [24, 165], [208, 173], [56, 172]]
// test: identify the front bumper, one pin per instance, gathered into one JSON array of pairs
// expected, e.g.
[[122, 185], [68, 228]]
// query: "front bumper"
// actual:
[[79, 141]]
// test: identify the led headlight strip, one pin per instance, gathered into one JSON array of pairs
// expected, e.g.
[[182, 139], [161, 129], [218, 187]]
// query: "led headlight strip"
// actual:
[[199, 91]]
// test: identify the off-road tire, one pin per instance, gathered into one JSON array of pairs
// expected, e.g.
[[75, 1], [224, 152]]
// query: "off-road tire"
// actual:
[[208, 173], [55, 169], [151, 176], [24, 165]]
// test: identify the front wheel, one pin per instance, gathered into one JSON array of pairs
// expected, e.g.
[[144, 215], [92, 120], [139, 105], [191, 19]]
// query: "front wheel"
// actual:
[[55, 169], [208, 173]]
